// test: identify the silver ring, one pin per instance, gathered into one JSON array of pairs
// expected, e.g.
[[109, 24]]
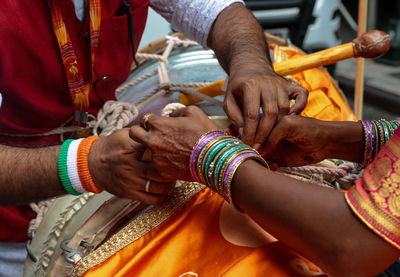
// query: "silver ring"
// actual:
[[146, 187]]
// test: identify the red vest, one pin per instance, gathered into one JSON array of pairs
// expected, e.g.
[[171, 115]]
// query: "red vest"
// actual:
[[35, 92]]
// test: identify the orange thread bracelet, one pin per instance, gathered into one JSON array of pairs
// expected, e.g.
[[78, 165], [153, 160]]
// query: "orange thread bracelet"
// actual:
[[82, 164]]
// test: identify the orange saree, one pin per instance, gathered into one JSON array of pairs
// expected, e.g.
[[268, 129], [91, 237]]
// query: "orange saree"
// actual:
[[196, 239]]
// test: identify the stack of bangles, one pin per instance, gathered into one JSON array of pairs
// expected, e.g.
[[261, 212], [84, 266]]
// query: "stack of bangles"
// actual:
[[215, 159], [73, 166], [376, 134]]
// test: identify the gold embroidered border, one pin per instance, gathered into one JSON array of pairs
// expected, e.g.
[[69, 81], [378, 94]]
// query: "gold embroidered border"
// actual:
[[138, 227], [366, 213]]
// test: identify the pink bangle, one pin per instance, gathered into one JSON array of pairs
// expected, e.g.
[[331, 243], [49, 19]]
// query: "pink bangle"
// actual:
[[228, 176], [201, 142]]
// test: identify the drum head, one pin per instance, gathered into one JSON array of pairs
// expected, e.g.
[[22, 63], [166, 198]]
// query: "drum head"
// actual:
[[185, 65]]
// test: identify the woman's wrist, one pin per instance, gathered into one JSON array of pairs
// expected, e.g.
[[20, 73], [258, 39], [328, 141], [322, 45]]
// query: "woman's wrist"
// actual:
[[345, 140]]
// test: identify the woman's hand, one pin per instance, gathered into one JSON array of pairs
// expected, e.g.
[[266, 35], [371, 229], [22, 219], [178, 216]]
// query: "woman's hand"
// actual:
[[297, 141], [171, 140]]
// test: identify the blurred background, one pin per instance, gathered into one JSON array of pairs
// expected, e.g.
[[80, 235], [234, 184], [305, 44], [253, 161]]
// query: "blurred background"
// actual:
[[318, 24]]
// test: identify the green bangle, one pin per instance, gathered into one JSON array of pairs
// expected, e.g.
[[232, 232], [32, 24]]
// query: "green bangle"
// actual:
[[202, 153], [221, 161], [63, 169], [228, 163], [386, 131], [394, 125], [209, 163], [375, 136]]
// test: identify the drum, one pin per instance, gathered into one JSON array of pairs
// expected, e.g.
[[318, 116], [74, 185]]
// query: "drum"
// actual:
[[77, 232]]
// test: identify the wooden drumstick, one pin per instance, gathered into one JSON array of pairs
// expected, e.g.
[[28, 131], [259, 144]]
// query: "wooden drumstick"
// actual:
[[371, 44]]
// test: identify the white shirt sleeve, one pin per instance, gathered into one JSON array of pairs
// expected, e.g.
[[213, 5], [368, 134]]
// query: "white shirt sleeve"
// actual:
[[193, 18]]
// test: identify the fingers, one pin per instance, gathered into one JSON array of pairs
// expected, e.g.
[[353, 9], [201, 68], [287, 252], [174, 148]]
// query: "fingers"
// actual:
[[267, 122], [251, 109], [178, 113], [139, 134], [283, 103], [234, 112], [300, 94]]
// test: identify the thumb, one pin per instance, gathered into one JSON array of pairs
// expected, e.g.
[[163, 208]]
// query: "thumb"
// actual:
[[300, 94], [277, 133]]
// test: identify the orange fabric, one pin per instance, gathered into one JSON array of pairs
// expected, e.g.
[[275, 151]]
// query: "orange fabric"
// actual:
[[189, 242], [325, 102]]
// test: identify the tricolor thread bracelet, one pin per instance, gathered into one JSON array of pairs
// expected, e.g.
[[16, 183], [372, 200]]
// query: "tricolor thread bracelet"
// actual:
[[82, 164], [63, 168], [72, 166]]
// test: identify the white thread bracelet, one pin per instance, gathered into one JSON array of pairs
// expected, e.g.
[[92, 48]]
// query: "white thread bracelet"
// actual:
[[72, 166]]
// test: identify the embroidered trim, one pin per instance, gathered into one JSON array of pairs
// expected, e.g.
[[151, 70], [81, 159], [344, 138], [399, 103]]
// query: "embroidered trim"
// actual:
[[138, 227]]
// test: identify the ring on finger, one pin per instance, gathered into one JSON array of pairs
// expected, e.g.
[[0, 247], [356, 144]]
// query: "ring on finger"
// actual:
[[146, 118], [146, 187]]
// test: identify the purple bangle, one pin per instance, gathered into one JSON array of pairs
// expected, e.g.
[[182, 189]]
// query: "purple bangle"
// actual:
[[370, 141], [203, 140], [230, 170]]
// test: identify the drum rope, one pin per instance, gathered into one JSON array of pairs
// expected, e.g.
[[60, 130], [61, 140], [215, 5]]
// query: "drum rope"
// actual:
[[344, 173]]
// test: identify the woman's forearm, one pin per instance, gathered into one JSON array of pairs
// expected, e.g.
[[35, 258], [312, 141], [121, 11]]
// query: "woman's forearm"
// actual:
[[314, 221], [346, 141]]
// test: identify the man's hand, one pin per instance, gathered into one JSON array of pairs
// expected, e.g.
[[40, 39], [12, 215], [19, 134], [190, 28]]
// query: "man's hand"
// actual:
[[116, 165], [171, 140], [248, 92], [240, 46]]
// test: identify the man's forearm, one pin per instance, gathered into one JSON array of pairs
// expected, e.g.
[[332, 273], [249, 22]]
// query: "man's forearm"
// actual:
[[237, 39], [28, 175]]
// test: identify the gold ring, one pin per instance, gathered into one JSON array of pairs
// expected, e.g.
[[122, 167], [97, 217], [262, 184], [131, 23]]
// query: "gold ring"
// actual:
[[146, 118]]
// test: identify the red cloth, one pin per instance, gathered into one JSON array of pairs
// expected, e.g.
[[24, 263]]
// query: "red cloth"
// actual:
[[35, 92]]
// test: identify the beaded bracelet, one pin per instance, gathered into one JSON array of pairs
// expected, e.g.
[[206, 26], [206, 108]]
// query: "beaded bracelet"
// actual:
[[82, 164]]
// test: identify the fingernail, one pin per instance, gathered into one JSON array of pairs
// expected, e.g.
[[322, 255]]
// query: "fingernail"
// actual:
[[241, 131], [257, 146]]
